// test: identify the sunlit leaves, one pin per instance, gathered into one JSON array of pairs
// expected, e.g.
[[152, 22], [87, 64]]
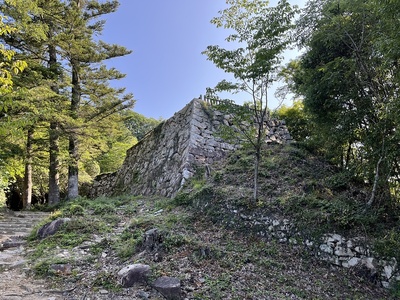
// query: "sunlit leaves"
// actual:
[[349, 79]]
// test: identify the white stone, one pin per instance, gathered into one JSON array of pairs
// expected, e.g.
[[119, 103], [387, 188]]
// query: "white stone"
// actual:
[[338, 238], [309, 243], [325, 248], [388, 271], [354, 261], [134, 274], [385, 284], [340, 251], [336, 261], [186, 174], [349, 244], [369, 262], [360, 250], [158, 212], [276, 223]]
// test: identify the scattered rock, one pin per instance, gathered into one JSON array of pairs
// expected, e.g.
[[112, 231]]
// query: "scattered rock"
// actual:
[[169, 287], [152, 240], [51, 228], [325, 248], [62, 269], [354, 261], [11, 244], [143, 295], [136, 273]]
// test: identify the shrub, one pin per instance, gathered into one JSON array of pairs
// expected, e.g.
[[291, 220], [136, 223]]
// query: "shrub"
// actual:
[[389, 245]]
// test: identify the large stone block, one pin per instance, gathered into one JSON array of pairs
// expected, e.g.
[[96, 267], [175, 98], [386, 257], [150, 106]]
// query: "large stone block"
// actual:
[[133, 274], [169, 287], [51, 228]]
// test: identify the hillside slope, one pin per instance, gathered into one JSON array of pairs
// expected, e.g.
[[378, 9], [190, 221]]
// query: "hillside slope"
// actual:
[[206, 237]]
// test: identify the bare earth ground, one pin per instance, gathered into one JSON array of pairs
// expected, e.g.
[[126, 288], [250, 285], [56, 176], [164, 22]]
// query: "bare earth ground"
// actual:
[[15, 285]]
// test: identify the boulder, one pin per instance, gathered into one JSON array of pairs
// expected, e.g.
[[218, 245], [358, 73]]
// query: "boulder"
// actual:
[[169, 287], [51, 227], [132, 274], [152, 240]]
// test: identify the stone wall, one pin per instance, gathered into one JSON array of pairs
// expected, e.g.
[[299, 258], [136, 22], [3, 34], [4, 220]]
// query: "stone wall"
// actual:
[[170, 154], [348, 252], [353, 253]]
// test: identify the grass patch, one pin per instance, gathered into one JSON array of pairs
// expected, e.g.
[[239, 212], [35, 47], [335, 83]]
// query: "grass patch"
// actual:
[[106, 281]]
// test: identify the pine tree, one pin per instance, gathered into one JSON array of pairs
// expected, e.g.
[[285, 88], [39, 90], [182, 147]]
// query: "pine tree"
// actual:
[[57, 39], [83, 55], [33, 21]]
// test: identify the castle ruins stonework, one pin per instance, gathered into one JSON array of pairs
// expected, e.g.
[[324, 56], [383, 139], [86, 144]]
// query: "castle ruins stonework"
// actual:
[[169, 155]]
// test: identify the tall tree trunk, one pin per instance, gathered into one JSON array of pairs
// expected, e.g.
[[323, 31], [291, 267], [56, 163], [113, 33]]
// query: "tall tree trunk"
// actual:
[[257, 155], [73, 170], [54, 176], [27, 190], [375, 186], [54, 135], [256, 168], [348, 156]]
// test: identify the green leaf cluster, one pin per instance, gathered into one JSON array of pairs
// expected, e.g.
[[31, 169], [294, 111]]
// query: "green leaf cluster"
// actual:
[[348, 78], [260, 33], [64, 96]]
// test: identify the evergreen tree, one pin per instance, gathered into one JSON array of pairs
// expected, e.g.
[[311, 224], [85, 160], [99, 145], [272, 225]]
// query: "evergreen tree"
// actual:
[[84, 55], [57, 39]]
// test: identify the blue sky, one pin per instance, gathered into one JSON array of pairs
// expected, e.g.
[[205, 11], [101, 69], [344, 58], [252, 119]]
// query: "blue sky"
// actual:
[[166, 69]]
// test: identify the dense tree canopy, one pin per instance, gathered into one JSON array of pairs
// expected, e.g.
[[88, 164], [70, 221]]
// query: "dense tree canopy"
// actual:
[[62, 108], [349, 79]]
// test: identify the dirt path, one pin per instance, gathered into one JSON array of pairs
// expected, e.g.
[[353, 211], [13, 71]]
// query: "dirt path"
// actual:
[[14, 282]]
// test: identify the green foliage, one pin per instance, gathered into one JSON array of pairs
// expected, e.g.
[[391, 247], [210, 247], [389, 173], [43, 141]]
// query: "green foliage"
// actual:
[[106, 281], [9, 67], [114, 156], [388, 245], [395, 289], [66, 86], [349, 79], [261, 33], [73, 210], [171, 241], [128, 242], [183, 198], [43, 268], [103, 209], [138, 124], [297, 120]]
